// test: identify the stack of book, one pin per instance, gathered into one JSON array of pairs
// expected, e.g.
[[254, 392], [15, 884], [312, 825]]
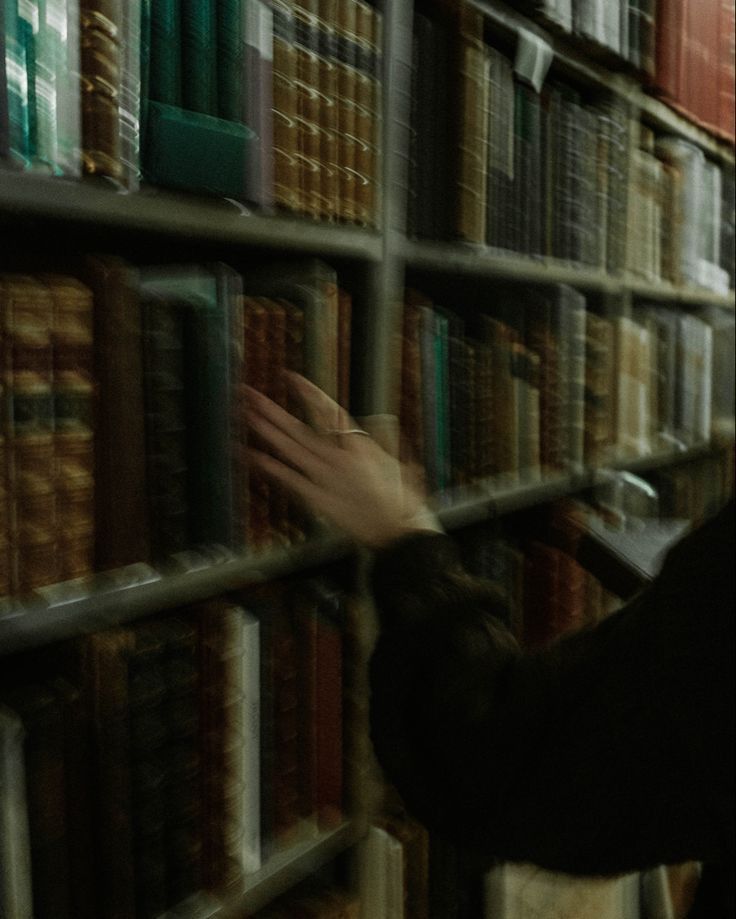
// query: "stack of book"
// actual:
[[178, 754], [695, 61], [275, 104]]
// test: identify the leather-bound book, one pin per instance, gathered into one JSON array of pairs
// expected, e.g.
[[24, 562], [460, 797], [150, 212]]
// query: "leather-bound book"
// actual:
[[41, 713], [27, 317], [287, 175], [344, 341], [277, 390], [101, 74], [598, 371], [347, 78], [165, 417], [472, 125], [121, 524], [105, 658], [369, 40], [308, 106], [74, 414], [230, 58], [295, 362], [16, 895], [328, 64], [79, 804]]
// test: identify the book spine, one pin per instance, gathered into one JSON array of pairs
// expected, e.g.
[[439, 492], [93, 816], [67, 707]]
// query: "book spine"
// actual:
[[472, 126], [198, 52], [164, 67], [165, 416], [328, 122], [14, 69], [16, 894], [230, 59], [368, 86], [28, 317], [251, 728], [287, 174], [329, 715], [308, 105], [258, 101], [101, 63], [74, 412], [347, 78]]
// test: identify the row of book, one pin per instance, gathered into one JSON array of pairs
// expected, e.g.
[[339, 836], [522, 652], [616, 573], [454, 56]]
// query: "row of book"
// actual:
[[535, 384], [684, 49], [626, 28], [544, 171], [681, 215], [276, 104], [146, 763], [122, 431]]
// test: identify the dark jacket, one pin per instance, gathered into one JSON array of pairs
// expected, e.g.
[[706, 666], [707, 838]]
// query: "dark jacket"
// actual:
[[610, 751]]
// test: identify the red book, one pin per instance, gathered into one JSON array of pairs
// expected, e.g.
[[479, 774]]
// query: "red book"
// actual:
[[727, 70]]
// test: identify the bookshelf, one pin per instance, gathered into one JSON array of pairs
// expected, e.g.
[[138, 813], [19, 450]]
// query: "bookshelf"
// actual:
[[377, 261]]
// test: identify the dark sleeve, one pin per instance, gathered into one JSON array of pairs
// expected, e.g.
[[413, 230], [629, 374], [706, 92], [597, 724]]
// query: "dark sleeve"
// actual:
[[610, 751]]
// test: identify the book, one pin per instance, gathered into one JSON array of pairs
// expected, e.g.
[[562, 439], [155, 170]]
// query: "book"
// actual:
[[29, 439], [287, 175], [121, 525], [101, 63], [72, 342], [256, 106], [199, 55], [16, 898]]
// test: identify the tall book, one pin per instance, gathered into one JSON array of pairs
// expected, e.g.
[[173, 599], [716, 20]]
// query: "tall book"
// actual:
[[472, 125], [27, 317], [368, 88], [199, 55], [287, 175], [121, 525], [74, 414], [101, 66], [16, 897]]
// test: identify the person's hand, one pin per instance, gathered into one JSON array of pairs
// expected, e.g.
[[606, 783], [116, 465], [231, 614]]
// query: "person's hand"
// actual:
[[344, 477]]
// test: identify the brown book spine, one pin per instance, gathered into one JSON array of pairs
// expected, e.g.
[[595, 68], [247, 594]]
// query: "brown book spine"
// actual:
[[106, 656], [368, 35], [287, 178], [484, 411], [329, 714], [308, 106], [598, 396], [5, 522], [472, 125], [121, 517], [101, 74], [74, 449], [27, 318], [346, 112], [328, 123]]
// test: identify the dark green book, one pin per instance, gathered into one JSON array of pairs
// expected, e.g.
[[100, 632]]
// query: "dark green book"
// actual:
[[196, 152], [230, 59], [162, 38], [199, 52]]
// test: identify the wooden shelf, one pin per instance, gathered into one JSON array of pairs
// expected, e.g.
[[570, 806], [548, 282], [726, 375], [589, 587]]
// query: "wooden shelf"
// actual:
[[219, 220]]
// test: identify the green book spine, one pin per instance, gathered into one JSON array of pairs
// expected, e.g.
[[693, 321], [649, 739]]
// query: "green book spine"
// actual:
[[198, 52], [231, 86], [26, 16], [17, 86], [164, 65]]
